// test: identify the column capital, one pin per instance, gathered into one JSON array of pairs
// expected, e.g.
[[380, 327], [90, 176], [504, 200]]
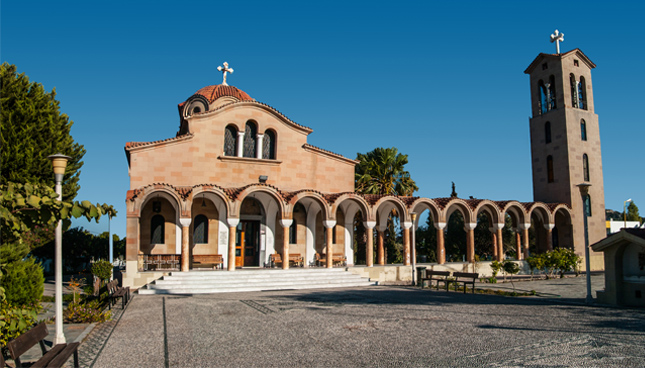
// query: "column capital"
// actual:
[[470, 225], [406, 224], [524, 226], [369, 224], [439, 225], [549, 226], [240, 133], [185, 221], [498, 226], [286, 222], [329, 223], [232, 222], [260, 135]]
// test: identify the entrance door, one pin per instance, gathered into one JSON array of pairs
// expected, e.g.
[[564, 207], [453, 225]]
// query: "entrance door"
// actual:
[[247, 246]]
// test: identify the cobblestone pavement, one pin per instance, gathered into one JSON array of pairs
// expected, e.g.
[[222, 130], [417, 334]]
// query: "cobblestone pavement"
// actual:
[[373, 326]]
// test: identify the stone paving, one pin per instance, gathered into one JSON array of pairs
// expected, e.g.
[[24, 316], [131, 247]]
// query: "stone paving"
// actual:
[[372, 326]]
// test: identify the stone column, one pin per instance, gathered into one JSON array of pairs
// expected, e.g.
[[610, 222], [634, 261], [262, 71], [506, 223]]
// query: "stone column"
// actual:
[[493, 238], [329, 227], [369, 256], [240, 144], [232, 227], [406, 242], [500, 242], [185, 249], [470, 241], [525, 231], [259, 146], [518, 244], [549, 236], [285, 223], [441, 249], [380, 251]]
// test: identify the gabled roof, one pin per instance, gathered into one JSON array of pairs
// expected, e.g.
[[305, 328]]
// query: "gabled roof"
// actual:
[[632, 236], [542, 56]]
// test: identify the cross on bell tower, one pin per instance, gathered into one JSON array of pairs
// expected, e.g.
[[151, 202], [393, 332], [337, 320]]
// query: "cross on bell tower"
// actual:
[[557, 37], [225, 69]]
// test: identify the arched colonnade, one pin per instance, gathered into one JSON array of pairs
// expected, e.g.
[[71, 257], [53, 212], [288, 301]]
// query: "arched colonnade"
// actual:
[[247, 225]]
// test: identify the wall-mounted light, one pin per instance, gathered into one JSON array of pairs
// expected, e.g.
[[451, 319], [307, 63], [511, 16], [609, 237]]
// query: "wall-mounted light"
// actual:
[[203, 202], [263, 178]]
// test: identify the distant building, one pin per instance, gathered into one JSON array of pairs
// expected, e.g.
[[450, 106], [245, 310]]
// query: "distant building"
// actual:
[[614, 226]]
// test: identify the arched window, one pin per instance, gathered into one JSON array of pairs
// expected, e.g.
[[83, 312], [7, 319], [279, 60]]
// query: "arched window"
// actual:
[[230, 136], [197, 110], [293, 232], [549, 169], [583, 129], [582, 94], [585, 167], [268, 149], [200, 232], [574, 90], [543, 102], [547, 132], [587, 204], [157, 231], [250, 135], [551, 93]]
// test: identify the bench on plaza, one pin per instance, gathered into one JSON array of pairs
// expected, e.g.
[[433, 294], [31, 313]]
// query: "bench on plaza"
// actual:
[[55, 357], [213, 261], [336, 259], [465, 278], [295, 258], [437, 277], [115, 292]]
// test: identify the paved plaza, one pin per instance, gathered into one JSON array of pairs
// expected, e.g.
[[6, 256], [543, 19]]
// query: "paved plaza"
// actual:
[[365, 327]]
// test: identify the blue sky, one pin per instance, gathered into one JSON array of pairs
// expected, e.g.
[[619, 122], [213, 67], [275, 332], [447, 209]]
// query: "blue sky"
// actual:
[[441, 81]]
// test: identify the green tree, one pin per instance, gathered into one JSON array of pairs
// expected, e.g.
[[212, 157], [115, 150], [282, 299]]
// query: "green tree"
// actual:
[[382, 171], [32, 129], [632, 212]]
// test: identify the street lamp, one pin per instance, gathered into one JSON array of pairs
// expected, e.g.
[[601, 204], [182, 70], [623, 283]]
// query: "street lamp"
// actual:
[[414, 248], [584, 193], [625, 212], [59, 161]]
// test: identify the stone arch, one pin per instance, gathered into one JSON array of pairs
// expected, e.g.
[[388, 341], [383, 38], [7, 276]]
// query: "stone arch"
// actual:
[[422, 204], [541, 224], [266, 194], [563, 230], [148, 193], [350, 204], [317, 214]]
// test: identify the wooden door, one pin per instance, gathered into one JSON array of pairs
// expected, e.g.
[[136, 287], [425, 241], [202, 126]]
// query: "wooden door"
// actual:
[[247, 245]]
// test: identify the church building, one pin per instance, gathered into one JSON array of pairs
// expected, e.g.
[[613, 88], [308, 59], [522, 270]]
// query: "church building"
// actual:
[[240, 187]]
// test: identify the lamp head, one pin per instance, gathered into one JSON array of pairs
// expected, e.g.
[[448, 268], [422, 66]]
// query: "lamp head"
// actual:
[[584, 188], [59, 161], [264, 178], [414, 216]]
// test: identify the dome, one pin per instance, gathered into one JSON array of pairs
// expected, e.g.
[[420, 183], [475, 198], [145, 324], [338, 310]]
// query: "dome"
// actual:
[[212, 93]]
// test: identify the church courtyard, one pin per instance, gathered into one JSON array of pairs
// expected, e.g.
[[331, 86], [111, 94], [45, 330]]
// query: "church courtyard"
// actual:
[[367, 327]]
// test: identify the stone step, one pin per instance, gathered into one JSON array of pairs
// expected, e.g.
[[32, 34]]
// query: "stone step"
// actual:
[[202, 282]]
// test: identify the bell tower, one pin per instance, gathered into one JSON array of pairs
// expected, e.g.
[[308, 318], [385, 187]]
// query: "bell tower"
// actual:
[[565, 143]]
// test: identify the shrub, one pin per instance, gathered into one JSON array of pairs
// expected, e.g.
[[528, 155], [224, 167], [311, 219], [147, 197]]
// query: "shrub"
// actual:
[[86, 313], [496, 267], [511, 268], [15, 320], [102, 269], [535, 263], [23, 282]]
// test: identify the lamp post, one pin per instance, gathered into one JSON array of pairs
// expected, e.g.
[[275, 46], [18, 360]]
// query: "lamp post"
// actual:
[[584, 193], [414, 247], [625, 212], [59, 162]]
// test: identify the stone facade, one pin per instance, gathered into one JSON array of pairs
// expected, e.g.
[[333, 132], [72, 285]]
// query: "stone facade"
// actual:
[[564, 130]]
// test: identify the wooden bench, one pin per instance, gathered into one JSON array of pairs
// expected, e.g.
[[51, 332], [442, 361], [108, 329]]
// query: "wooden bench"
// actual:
[[336, 259], [466, 278], [295, 258], [55, 357], [208, 260], [437, 276], [115, 292]]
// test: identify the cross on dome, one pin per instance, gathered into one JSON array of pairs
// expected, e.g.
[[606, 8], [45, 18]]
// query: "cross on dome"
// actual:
[[225, 69], [557, 37]]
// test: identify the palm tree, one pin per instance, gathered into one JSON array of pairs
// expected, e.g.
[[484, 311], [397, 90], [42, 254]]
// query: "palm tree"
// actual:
[[382, 172]]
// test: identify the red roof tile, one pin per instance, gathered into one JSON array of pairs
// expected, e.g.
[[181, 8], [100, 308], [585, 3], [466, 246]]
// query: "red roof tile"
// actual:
[[212, 93]]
